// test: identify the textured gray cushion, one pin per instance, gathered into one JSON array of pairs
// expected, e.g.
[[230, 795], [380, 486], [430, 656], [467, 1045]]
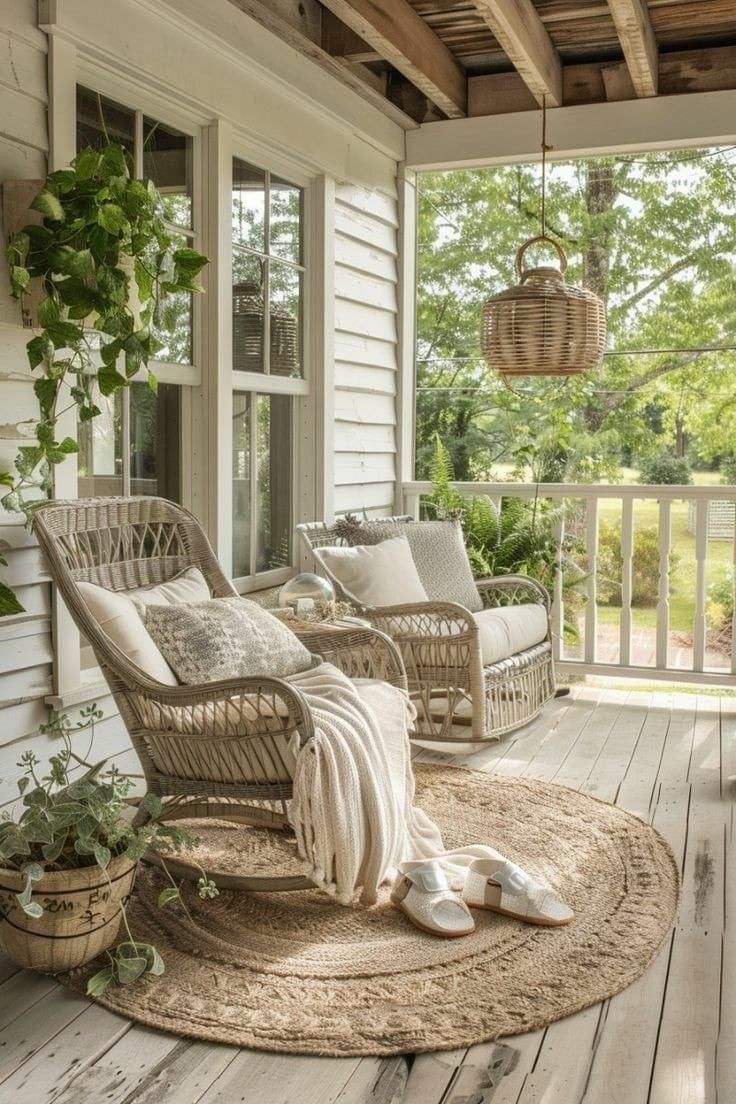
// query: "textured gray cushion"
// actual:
[[438, 551], [225, 638]]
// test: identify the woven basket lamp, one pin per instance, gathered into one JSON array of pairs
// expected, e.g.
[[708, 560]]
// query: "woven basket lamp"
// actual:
[[248, 314], [543, 326]]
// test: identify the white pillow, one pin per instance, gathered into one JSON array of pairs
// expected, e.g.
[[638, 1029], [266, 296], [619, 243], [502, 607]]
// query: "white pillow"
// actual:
[[376, 575], [119, 615]]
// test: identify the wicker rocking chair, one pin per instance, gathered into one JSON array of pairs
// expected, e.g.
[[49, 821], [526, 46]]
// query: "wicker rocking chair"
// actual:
[[441, 649], [222, 749]]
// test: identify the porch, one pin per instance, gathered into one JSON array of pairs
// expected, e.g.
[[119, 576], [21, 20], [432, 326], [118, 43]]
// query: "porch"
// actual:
[[663, 754]]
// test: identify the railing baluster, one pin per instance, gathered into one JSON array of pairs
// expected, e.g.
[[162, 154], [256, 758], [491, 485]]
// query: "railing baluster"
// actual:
[[558, 610], [663, 597], [733, 596], [591, 549], [701, 551], [627, 557]]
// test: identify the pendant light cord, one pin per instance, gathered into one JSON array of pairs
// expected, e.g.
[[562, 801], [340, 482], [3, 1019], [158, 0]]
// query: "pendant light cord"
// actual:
[[545, 148]]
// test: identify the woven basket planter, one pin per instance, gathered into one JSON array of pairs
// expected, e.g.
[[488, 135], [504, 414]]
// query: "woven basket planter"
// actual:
[[543, 326], [81, 915], [248, 315]]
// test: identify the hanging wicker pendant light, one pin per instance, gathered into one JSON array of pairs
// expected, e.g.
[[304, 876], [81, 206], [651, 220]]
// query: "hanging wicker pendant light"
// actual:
[[543, 326]]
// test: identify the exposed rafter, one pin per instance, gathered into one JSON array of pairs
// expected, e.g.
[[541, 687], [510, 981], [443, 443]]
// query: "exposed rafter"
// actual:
[[524, 38], [399, 35], [298, 32], [634, 29]]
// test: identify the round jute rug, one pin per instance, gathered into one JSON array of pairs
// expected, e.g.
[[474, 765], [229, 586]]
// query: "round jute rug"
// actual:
[[295, 972]]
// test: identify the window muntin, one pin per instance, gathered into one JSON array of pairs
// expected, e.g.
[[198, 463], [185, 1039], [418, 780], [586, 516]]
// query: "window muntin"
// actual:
[[268, 272]]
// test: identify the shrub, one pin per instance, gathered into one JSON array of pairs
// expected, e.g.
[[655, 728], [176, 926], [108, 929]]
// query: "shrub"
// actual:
[[665, 469], [719, 609], [728, 469], [644, 571]]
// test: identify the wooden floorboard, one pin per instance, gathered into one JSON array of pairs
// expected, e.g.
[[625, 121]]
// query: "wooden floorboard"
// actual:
[[668, 757]]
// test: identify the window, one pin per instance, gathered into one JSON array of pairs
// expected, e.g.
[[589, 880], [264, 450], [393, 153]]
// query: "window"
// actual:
[[268, 295], [133, 447]]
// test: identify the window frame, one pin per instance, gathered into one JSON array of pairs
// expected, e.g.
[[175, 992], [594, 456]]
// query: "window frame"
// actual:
[[265, 383]]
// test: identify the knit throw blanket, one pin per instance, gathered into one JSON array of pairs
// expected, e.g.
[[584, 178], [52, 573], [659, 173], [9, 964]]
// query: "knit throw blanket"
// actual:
[[353, 807]]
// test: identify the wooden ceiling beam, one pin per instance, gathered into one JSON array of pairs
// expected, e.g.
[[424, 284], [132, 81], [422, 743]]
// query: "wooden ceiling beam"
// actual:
[[399, 35], [525, 41], [634, 29], [291, 23]]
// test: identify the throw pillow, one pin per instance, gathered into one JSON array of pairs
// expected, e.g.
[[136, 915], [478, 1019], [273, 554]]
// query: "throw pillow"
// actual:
[[439, 552], [189, 585], [118, 618], [225, 638], [380, 575]]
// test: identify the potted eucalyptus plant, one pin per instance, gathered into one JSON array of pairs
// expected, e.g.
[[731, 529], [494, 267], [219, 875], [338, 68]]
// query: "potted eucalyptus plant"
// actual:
[[101, 261], [68, 862]]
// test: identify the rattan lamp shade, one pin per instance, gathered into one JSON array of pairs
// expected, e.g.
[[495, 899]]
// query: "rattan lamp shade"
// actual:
[[248, 314], [543, 326]]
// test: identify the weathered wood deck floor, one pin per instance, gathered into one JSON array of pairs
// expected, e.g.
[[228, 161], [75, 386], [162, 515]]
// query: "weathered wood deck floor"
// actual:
[[669, 1039]]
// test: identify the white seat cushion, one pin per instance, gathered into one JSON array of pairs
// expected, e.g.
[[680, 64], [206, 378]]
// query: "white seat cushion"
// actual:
[[508, 630]]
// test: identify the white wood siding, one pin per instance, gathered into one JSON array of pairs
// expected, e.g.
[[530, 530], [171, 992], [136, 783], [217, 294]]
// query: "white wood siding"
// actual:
[[366, 222], [25, 640]]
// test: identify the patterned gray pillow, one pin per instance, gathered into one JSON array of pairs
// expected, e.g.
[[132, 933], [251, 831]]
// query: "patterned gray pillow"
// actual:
[[225, 638], [438, 550]]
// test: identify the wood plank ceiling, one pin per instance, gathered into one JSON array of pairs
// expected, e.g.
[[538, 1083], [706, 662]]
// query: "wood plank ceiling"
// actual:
[[420, 60]]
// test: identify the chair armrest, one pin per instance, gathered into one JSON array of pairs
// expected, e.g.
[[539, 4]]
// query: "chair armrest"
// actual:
[[257, 706], [424, 621], [359, 651], [517, 587]]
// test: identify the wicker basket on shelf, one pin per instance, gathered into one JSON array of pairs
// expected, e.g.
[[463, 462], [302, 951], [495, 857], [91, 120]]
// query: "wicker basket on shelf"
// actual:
[[248, 315], [543, 326]]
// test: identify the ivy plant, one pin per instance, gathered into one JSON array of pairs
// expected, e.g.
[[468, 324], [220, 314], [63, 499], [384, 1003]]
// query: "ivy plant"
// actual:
[[70, 821], [105, 261]]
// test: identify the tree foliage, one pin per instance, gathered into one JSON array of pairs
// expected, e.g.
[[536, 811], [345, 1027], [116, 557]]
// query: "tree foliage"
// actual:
[[655, 236]]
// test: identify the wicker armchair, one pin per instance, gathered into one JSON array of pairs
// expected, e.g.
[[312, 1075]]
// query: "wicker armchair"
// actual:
[[222, 749], [440, 645]]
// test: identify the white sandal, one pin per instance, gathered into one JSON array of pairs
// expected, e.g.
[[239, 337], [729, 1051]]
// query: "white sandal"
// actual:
[[422, 893], [501, 886]]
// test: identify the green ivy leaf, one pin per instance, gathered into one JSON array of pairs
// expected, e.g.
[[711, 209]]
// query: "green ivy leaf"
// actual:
[[102, 855], [113, 219], [51, 851], [109, 380], [9, 604], [48, 312], [100, 982], [156, 964], [45, 390], [49, 206], [20, 277], [167, 895], [39, 349], [130, 969], [86, 163]]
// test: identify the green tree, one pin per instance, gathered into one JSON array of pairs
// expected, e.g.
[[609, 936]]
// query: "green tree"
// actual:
[[655, 236]]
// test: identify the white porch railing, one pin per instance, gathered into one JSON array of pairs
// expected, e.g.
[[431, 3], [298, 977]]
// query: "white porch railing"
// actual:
[[634, 650]]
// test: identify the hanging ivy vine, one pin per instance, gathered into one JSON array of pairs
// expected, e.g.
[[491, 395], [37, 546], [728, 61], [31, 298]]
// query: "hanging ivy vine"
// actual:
[[105, 260]]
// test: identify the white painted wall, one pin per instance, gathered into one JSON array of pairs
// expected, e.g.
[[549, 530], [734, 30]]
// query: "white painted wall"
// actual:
[[309, 120]]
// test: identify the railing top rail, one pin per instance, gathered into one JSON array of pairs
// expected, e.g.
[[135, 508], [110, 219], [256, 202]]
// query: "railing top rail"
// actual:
[[689, 492]]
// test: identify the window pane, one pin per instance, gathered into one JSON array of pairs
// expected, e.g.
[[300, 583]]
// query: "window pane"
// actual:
[[167, 161], [285, 202], [101, 450], [249, 205], [241, 484], [172, 323], [100, 121], [248, 312], [286, 320], [273, 543], [155, 440]]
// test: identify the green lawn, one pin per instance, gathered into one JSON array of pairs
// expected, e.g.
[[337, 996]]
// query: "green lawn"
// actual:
[[682, 580]]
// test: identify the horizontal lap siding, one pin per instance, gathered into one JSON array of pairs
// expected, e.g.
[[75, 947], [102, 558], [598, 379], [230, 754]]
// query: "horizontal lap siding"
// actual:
[[366, 364]]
